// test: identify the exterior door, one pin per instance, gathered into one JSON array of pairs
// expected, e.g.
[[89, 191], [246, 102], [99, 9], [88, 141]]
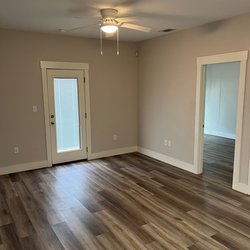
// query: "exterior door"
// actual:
[[67, 115]]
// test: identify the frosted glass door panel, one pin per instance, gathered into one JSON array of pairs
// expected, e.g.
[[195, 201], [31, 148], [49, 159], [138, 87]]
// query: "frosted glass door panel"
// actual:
[[66, 115]]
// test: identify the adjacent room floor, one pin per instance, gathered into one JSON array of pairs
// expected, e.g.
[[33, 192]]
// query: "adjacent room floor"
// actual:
[[218, 159], [123, 202]]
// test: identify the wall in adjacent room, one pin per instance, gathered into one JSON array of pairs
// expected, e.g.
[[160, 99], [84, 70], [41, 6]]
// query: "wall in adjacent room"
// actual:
[[113, 92], [222, 84], [167, 87]]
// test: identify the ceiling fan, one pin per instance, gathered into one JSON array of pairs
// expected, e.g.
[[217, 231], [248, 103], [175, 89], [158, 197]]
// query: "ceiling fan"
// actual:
[[110, 24]]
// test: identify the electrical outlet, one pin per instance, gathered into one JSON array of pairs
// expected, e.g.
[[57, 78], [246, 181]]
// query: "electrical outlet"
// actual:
[[16, 150], [165, 142], [115, 137], [34, 108], [169, 143]]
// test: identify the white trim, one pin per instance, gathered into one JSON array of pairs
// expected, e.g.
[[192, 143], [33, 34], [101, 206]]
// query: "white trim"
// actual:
[[223, 58], [64, 65], [169, 160], [199, 119], [239, 125], [241, 187], [23, 167], [219, 133], [87, 106], [249, 178], [113, 152], [46, 116], [46, 65], [241, 57]]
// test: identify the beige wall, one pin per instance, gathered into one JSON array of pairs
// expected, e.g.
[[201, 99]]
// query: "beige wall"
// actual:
[[166, 96], [113, 92], [167, 82]]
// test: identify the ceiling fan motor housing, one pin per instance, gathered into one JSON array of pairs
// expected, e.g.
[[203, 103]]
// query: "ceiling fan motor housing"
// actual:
[[109, 17], [109, 21], [109, 13]]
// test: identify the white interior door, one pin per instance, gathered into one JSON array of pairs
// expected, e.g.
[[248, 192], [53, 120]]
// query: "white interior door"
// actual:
[[67, 115]]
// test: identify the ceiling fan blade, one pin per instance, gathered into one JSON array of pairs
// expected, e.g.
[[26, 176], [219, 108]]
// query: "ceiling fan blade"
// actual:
[[76, 28], [126, 19], [171, 19], [135, 27]]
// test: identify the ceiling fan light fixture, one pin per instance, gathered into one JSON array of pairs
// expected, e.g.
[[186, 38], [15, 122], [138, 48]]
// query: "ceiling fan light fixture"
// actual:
[[109, 28]]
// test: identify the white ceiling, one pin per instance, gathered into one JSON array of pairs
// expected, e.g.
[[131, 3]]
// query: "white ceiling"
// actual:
[[52, 15]]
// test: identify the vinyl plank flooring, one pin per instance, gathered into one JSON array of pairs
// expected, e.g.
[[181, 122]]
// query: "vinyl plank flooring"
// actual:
[[5, 215], [108, 242], [120, 231], [31, 243], [125, 202], [22, 222], [68, 239], [9, 237], [218, 159]]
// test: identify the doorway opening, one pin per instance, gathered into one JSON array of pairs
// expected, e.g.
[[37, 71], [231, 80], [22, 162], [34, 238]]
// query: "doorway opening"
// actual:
[[220, 114], [204, 64], [67, 111]]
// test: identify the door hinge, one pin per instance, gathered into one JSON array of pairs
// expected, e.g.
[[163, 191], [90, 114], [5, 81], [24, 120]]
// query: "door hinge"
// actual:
[[85, 115], [87, 149], [84, 79]]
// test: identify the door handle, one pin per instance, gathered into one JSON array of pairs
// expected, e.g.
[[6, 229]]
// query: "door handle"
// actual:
[[52, 123], [52, 116]]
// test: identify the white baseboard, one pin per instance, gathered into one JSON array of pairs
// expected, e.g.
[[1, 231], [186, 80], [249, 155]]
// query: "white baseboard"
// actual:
[[117, 151], [23, 167], [220, 134], [164, 158], [242, 188]]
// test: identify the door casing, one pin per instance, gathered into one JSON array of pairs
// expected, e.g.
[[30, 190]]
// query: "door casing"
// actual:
[[242, 57], [48, 65]]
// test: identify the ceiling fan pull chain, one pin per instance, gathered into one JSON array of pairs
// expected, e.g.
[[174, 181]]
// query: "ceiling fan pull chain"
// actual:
[[118, 48], [101, 41]]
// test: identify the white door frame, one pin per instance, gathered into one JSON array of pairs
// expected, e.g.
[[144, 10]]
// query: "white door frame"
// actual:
[[46, 65], [242, 57]]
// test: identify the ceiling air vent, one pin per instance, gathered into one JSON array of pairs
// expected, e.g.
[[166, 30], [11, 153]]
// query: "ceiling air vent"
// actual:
[[167, 30]]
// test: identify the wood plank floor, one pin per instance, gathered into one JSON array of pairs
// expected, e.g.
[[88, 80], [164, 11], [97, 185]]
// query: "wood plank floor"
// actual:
[[218, 159], [122, 202]]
